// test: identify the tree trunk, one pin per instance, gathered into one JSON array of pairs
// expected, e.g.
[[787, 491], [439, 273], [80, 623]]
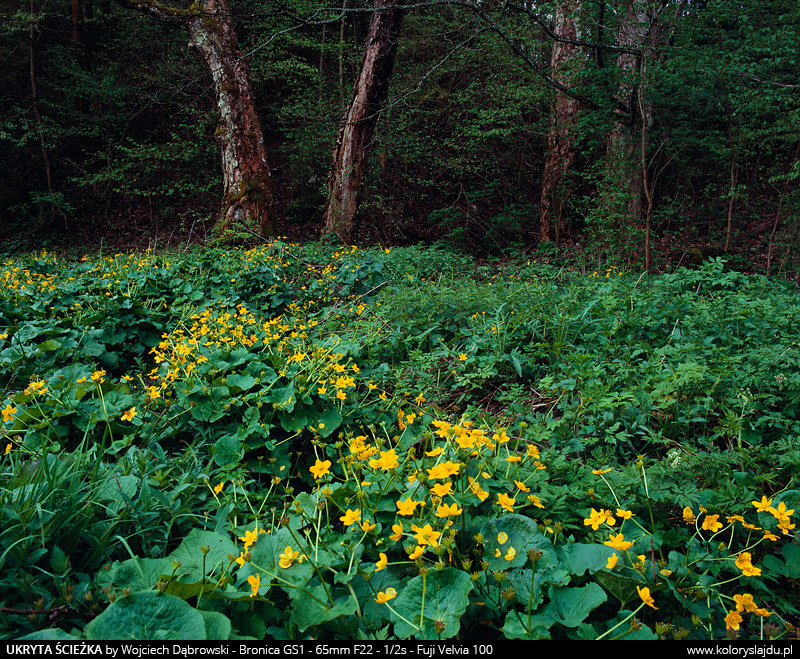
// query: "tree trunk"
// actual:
[[624, 175], [360, 119], [247, 186], [560, 154]]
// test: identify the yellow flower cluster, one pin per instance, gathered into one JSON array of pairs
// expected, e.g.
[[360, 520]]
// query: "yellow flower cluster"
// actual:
[[744, 604]]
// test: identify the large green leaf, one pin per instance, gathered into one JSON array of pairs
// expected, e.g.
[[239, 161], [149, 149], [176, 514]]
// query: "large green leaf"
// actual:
[[569, 606], [310, 606], [147, 616], [265, 561], [431, 607], [523, 535], [203, 556], [135, 573], [516, 626], [577, 558], [218, 627]]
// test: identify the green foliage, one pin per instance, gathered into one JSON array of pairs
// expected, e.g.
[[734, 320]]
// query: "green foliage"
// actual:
[[289, 441]]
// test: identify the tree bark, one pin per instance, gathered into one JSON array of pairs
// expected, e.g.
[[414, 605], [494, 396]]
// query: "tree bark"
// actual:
[[624, 176], [560, 155], [359, 121], [246, 208]]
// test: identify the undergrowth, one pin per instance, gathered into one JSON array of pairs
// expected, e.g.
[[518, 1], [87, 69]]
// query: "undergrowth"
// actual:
[[310, 441]]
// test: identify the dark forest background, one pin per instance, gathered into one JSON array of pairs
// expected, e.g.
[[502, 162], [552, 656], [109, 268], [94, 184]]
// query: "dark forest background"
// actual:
[[654, 132]]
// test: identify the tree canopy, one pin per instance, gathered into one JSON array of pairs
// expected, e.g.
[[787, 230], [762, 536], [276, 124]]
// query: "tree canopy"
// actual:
[[643, 118]]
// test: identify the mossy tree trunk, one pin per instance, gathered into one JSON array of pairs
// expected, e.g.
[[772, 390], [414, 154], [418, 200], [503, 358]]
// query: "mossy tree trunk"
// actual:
[[358, 124], [246, 209]]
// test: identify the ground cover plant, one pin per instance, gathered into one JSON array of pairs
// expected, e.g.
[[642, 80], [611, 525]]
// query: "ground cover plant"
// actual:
[[320, 442]]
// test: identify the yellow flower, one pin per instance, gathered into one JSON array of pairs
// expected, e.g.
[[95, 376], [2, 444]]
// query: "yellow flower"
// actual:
[[127, 416], [443, 470], [320, 469], [711, 523], [688, 515], [644, 594], [434, 452], [8, 413], [397, 532], [744, 602], [624, 514], [255, 583], [442, 489], [382, 563], [426, 535], [351, 516], [618, 542], [288, 557], [612, 562], [510, 554], [249, 538], [218, 488], [744, 563], [97, 376], [502, 538], [366, 527], [535, 501], [780, 513], [476, 489], [733, 620], [763, 505], [505, 501], [600, 472], [501, 437], [241, 560], [386, 595], [387, 460], [598, 517], [37, 386], [462, 357], [407, 507], [419, 551], [446, 511]]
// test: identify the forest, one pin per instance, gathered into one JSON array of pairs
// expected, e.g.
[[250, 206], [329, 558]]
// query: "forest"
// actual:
[[622, 128], [453, 320]]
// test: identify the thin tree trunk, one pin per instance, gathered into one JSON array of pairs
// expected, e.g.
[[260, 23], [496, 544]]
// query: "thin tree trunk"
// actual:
[[732, 176], [560, 154], [358, 124], [648, 191], [625, 180], [246, 208]]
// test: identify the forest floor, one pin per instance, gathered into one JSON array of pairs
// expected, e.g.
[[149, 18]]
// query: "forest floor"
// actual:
[[753, 248]]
